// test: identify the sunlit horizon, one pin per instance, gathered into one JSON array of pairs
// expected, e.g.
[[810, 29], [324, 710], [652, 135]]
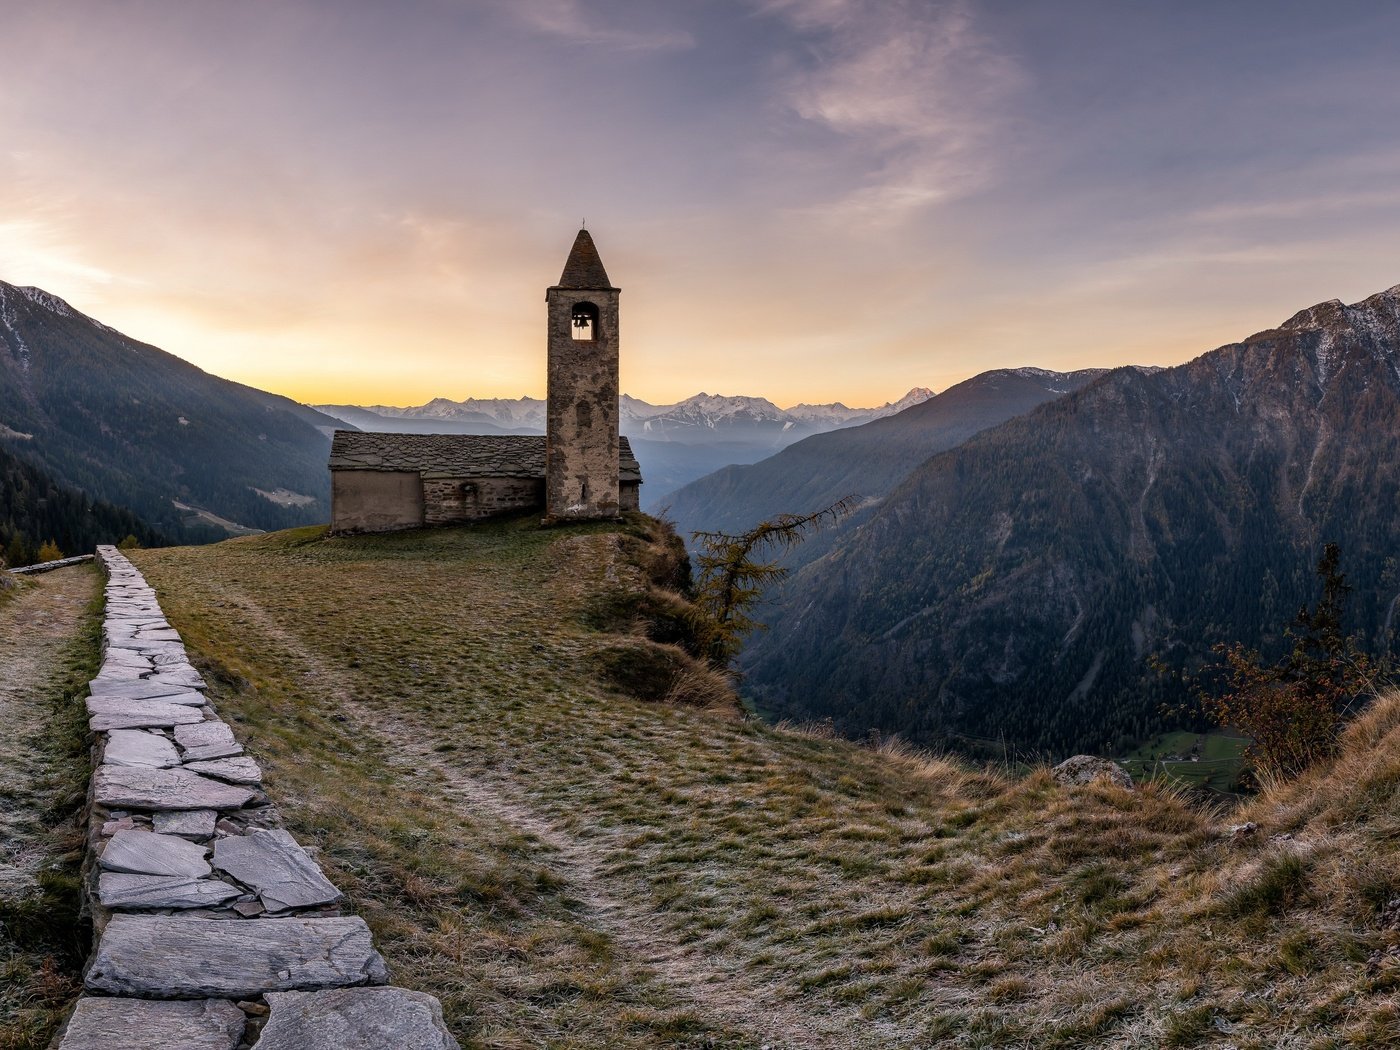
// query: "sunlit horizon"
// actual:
[[804, 200]]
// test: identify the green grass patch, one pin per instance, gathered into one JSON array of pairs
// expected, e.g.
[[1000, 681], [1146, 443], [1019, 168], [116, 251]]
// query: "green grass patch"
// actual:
[[1211, 761]]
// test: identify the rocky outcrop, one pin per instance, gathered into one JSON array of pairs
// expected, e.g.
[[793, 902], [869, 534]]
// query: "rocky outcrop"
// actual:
[[187, 856], [1085, 769]]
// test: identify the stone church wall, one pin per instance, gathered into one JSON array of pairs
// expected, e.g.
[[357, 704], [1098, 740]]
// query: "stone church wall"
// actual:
[[447, 501], [375, 500]]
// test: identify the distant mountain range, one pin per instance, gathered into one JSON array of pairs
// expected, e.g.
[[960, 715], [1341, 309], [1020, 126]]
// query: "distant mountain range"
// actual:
[[674, 443], [194, 456], [709, 417], [864, 462], [1012, 589]]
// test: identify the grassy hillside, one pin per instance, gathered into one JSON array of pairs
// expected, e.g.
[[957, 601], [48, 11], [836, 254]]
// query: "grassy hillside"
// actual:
[[567, 865]]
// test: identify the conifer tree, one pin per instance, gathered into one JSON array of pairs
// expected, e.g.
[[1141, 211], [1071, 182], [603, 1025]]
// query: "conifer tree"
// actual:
[[1293, 711], [731, 581]]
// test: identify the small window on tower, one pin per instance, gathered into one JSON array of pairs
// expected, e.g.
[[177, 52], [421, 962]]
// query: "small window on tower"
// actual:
[[585, 323]]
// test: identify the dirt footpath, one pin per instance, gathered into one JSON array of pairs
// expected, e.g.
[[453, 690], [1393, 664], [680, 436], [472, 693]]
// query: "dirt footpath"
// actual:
[[46, 652]]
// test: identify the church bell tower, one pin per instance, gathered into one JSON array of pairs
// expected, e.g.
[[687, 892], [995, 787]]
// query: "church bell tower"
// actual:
[[581, 449]]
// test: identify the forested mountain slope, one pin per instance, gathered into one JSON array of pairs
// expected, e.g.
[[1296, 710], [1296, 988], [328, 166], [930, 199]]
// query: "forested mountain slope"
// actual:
[[126, 422], [1014, 588], [34, 509], [865, 461]]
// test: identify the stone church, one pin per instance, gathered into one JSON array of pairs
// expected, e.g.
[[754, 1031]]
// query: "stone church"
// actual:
[[581, 469]]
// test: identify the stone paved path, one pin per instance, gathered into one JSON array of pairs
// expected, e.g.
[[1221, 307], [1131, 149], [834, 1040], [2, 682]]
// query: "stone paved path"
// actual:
[[190, 859]]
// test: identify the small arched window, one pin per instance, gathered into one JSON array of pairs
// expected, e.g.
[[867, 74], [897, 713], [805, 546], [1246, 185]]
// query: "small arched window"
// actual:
[[585, 322]]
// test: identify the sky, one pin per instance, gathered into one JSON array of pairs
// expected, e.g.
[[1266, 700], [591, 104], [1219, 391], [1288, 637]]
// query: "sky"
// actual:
[[362, 202]]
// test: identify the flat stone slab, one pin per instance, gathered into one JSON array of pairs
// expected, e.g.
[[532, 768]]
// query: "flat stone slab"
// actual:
[[276, 867], [355, 1019], [211, 751], [149, 853], [142, 689], [234, 770], [202, 733], [174, 652], [127, 658], [158, 634], [170, 956], [140, 1024], [187, 823], [123, 890], [132, 747], [107, 713], [121, 672], [132, 787], [206, 740], [186, 698], [177, 675]]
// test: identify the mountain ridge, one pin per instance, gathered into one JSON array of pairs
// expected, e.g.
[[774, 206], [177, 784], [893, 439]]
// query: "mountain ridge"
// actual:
[[864, 462], [127, 422], [1018, 583], [702, 410]]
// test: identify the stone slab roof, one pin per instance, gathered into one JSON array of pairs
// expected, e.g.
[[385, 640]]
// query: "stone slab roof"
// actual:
[[455, 455], [583, 271]]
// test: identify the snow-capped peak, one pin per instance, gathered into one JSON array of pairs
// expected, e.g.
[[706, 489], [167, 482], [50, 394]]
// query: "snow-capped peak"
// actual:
[[47, 300]]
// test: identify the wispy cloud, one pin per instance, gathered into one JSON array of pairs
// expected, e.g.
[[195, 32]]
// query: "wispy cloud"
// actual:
[[913, 89], [572, 20], [39, 237]]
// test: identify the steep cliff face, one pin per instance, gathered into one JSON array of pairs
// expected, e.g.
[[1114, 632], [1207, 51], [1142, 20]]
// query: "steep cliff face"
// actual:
[[1015, 587]]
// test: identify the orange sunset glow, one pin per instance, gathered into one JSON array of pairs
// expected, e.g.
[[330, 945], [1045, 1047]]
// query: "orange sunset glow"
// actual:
[[808, 201]]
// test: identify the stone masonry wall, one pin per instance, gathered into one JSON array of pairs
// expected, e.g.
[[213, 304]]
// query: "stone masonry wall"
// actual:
[[49, 566], [449, 501], [581, 472], [214, 929]]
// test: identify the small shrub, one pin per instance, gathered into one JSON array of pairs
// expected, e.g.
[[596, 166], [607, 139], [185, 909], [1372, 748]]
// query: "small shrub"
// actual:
[[641, 668], [1293, 712], [49, 551], [702, 686]]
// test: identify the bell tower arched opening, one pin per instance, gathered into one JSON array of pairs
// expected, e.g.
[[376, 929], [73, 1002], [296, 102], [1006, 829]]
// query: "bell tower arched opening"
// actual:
[[584, 326]]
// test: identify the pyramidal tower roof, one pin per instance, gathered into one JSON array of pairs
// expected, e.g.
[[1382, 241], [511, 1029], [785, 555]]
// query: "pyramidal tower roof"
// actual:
[[584, 270]]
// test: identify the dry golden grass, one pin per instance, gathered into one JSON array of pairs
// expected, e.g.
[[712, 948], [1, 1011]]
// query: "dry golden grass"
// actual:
[[568, 865]]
